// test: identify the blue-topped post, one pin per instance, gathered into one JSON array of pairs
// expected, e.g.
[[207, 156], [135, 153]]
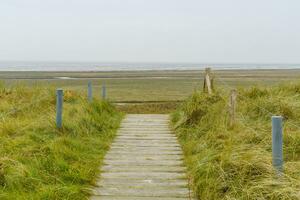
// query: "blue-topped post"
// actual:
[[103, 91], [90, 92], [277, 142], [59, 107]]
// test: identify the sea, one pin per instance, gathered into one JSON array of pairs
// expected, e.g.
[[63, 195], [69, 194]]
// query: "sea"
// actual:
[[131, 66]]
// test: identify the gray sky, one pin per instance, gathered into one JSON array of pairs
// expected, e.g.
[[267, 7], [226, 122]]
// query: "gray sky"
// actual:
[[255, 31]]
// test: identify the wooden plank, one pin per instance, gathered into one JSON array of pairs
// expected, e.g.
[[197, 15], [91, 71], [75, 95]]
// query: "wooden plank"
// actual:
[[134, 198], [169, 192], [114, 168], [145, 162]]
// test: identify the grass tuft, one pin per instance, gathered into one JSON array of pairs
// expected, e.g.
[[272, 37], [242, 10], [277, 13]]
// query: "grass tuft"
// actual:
[[38, 161], [236, 162]]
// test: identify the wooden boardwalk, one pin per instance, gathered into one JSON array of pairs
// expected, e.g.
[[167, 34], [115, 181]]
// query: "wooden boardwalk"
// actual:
[[144, 162]]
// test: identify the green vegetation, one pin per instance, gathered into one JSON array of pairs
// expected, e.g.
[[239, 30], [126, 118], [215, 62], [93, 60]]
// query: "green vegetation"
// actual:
[[236, 162], [37, 161], [147, 85], [146, 91]]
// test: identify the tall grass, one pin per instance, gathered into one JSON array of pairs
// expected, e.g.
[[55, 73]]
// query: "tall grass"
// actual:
[[37, 161], [236, 163]]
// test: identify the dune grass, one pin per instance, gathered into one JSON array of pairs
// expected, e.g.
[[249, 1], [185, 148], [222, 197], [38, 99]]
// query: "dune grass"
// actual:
[[236, 162], [37, 161], [173, 85]]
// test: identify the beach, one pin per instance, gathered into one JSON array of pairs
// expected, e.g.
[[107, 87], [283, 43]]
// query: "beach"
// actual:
[[150, 85]]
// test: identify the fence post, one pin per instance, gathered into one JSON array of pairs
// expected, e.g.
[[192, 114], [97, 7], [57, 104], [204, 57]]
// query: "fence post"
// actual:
[[207, 81], [59, 107], [277, 150], [103, 91], [232, 106], [90, 92]]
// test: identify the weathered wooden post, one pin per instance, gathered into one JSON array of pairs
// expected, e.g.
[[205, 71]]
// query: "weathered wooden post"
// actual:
[[90, 92], [207, 81], [277, 150], [212, 82], [103, 91], [232, 106], [59, 107]]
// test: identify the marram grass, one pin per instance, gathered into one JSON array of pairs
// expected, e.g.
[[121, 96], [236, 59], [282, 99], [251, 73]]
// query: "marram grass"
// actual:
[[236, 162], [37, 161]]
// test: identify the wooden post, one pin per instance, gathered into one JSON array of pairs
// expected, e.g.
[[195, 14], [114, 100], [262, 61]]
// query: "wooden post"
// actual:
[[103, 91], [232, 106], [277, 150], [90, 95], [59, 107], [207, 81]]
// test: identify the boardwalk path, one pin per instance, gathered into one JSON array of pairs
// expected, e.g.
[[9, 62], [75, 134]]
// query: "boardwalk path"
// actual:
[[144, 162]]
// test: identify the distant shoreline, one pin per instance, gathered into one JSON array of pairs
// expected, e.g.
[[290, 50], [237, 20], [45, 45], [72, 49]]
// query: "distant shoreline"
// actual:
[[128, 66], [146, 70], [149, 74]]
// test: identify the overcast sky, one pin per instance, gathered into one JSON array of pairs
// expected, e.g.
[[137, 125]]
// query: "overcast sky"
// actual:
[[218, 31]]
